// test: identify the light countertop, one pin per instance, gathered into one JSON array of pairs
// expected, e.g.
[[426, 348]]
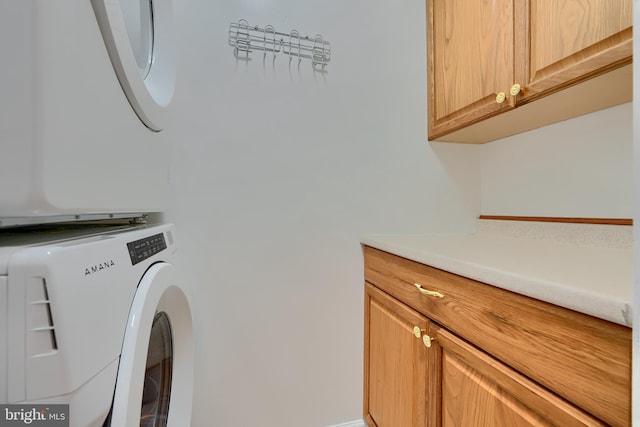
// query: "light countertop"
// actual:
[[587, 268]]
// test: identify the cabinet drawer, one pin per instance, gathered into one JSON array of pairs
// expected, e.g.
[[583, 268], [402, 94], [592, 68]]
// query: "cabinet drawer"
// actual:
[[583, 359]]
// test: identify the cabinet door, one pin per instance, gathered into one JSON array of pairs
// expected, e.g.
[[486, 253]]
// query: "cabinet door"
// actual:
[[571, 40], [395, 373], [479, 391], [470, 60]]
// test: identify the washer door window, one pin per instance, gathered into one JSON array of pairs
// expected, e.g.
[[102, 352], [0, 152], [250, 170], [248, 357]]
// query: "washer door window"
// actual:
[[139, 38], [157, 378]]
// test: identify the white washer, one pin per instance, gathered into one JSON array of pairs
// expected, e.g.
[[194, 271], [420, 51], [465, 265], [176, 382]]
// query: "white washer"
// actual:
[[98, 321], [85, 89]]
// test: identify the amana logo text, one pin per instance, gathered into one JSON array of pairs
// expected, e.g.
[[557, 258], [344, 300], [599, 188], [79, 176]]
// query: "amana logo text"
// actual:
[[99, 267]]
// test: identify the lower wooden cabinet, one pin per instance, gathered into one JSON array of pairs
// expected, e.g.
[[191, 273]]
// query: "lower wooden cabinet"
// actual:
[[396, 363], [419, 373], [477, 390]]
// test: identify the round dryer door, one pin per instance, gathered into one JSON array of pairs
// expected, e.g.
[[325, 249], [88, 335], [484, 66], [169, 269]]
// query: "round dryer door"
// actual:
[[138, 35], [154, 387]]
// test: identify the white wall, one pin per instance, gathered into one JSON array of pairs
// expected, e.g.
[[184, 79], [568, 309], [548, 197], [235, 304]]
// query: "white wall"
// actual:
[[577, 168], [277, 173]]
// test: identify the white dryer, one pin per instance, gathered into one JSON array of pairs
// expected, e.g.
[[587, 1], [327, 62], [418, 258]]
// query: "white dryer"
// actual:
[[85, 89], [98, 321]]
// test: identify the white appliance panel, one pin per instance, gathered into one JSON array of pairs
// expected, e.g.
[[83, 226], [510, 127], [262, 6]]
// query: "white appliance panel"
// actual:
[[75, 320], [71, 141]]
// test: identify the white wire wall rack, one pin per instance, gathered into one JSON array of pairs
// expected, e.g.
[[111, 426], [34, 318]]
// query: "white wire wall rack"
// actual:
[[246, 38]]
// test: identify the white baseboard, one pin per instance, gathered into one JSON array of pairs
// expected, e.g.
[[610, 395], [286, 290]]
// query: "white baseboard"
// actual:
[[357, 423]]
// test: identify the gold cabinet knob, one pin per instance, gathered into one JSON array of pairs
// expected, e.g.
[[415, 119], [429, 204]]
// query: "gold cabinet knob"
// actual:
[[427, 340], [515, 89], [417, 331], [500, 97]]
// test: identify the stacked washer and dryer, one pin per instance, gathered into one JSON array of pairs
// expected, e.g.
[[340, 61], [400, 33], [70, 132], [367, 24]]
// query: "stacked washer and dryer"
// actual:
[[92, 311]]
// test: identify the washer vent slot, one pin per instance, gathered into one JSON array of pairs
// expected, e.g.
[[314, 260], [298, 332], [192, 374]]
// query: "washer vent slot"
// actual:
[[42, 333]]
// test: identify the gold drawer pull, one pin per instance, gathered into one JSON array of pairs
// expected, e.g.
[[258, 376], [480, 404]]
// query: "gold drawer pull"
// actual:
[[428, 292]]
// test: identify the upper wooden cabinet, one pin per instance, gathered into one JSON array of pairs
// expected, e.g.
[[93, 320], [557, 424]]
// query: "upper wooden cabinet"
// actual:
[[571, 40], [471, 59], [486, 59]]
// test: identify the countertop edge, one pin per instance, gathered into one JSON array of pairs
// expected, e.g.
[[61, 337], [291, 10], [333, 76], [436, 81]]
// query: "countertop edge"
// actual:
[[607, 308]]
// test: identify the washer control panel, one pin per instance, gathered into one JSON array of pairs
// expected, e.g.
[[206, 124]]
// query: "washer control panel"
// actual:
[[141, 249]]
